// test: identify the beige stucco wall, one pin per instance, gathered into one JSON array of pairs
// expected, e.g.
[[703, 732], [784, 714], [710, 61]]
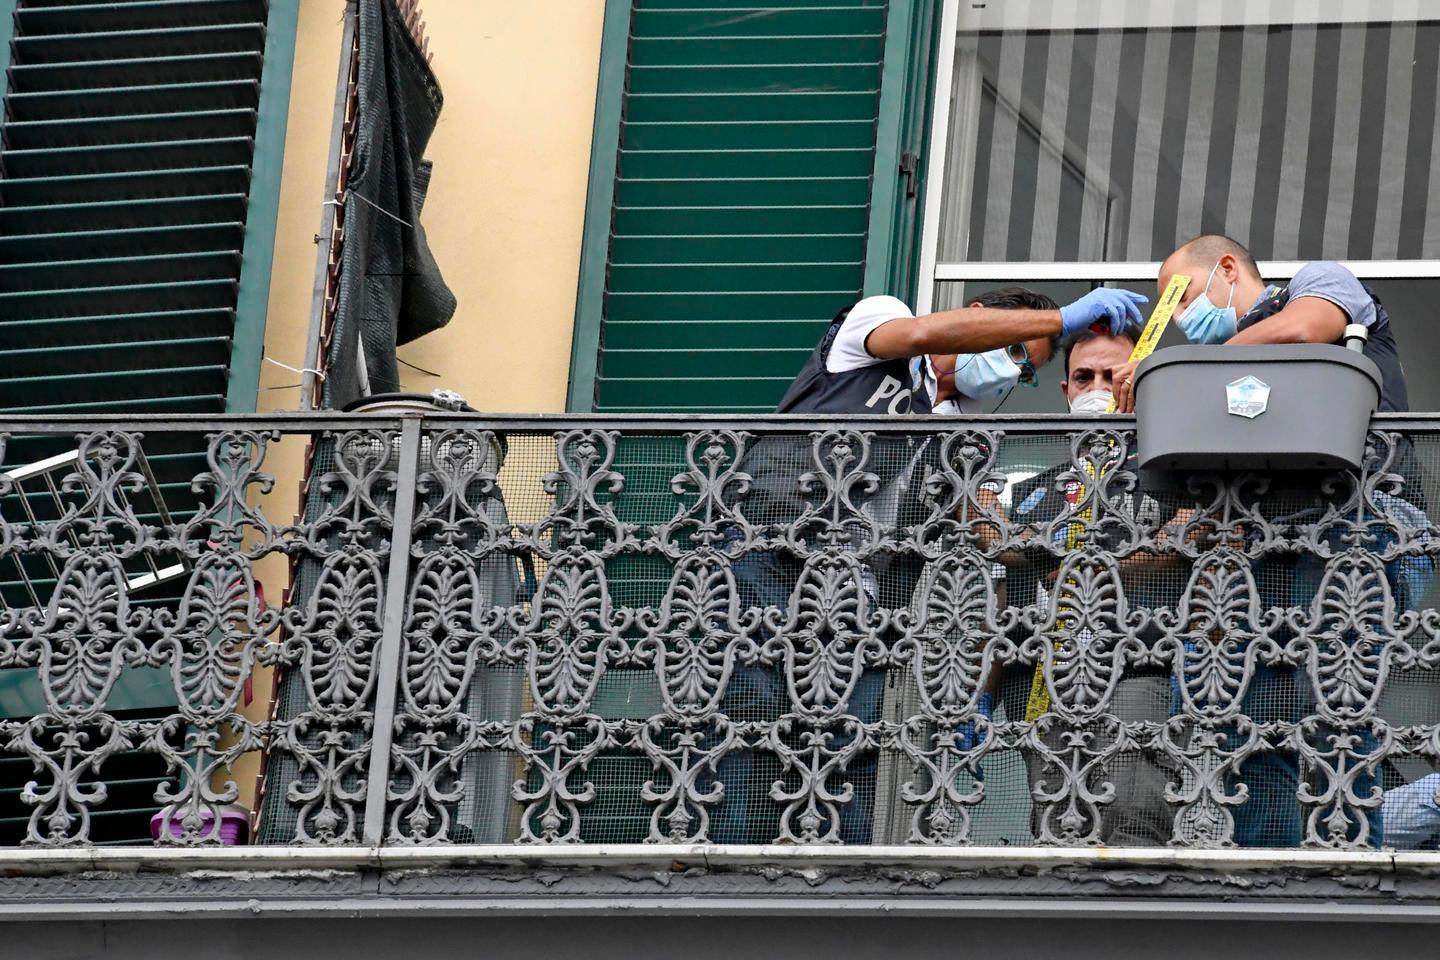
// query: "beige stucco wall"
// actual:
[[506, 204], [504, 217]]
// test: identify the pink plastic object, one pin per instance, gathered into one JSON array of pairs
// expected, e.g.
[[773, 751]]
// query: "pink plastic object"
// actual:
[[234, 825]]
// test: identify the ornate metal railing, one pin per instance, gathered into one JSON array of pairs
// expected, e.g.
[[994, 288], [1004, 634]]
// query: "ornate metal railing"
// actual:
[[552, 630]]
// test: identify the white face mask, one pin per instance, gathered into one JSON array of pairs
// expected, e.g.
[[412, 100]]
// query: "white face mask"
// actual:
[[1094, 403]]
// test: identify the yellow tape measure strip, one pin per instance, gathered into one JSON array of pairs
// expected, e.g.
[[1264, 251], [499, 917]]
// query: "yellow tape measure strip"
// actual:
[[1159, 318], [1039, 700]]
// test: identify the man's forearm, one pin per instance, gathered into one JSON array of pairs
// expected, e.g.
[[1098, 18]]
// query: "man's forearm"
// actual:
[[1305, 320], [968, 330], [1276, 329], [975, 330]]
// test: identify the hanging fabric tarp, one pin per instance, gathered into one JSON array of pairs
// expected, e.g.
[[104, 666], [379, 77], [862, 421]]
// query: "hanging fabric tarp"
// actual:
[[390, 290]]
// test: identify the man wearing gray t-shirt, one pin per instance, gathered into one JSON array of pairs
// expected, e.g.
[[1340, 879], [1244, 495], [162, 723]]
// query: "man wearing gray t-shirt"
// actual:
[[1228, 302]]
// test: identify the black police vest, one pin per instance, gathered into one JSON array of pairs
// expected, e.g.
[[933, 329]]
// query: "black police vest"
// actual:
[[776, 463], [879, 388], [1380, 348]]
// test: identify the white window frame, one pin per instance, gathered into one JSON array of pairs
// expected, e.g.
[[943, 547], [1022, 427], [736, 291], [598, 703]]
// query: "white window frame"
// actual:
[[1106, 12]]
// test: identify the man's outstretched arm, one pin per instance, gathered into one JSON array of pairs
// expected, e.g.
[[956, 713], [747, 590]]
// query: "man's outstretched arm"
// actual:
[[977, 329]]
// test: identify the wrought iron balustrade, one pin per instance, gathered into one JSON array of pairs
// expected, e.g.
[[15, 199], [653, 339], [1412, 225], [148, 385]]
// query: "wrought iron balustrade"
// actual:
[[550, 630]]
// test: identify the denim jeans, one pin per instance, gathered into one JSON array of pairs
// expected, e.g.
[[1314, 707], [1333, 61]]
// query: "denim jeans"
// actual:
[[757, 692], [1271, 816]]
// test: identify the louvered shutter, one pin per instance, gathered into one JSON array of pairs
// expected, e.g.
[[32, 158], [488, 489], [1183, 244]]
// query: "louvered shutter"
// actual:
[[741, 206], [138, 186], [745, 184], [140, 161]]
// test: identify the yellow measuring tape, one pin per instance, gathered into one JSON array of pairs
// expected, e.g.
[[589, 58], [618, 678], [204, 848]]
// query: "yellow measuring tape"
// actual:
[[1039, 700], [1159, 319]]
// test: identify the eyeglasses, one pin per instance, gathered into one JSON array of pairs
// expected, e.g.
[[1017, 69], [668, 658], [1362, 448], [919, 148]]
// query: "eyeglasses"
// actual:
[[1020, 356]]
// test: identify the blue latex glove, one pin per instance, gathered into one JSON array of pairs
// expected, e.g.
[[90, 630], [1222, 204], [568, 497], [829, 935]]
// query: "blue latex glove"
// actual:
[[1120, 308], [984, 707]]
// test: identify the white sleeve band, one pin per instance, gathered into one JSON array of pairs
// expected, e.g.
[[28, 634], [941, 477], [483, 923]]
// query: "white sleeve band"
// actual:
[[848, 351]]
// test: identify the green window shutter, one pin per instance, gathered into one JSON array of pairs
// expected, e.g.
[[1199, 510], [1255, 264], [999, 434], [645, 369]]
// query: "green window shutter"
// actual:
[[892, 255], [730, 214], [730, 196], [140, 159], [139, 181]]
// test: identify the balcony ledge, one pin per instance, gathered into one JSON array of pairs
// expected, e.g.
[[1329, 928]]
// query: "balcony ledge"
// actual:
[[696, 880]]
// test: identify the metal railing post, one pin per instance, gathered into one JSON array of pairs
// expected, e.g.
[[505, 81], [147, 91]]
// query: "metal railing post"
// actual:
[[387, 684]]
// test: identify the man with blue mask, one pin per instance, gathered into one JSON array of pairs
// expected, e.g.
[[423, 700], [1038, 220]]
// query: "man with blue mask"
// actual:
[[964, 383], [1228, 302], [861, 365]]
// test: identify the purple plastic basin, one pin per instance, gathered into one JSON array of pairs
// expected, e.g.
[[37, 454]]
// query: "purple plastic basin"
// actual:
[[234, 825]]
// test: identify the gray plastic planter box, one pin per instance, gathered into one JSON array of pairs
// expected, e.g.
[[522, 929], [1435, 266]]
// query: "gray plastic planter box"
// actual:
[[1292, 407]]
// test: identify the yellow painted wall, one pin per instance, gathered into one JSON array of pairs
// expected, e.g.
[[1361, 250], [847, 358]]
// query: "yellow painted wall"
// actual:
[[506, 203], [503, 216]]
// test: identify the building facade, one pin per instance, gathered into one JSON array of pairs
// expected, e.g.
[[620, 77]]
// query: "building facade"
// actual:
[[459, 675]]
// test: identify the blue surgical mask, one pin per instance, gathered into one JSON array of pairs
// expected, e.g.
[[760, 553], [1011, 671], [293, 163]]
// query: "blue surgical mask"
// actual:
[[1203, 321], [986, 376]]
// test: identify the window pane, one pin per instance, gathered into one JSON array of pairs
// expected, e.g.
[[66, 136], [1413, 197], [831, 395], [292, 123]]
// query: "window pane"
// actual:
[[1411, 305], [1304, 140]]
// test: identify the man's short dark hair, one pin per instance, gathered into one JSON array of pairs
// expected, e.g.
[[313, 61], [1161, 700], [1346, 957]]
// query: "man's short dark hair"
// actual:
[[1210, 247], [1093, 332], [1014, 298]]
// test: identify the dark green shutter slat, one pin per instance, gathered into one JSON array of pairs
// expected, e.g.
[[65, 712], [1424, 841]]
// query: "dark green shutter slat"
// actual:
[[193, 403], [137, 71], [122, 214], [124, 157], [133, 44], [701, 107], [134, 355], [657, 164], [94, 17], [750, 306], [733, 7], [770, 78], [151, 98], [736, 248], [698, 21], [750, 135], [741, 221], [725, 278], [726, 362], [162, 268], [714, 335], [89, 187], [135, 128], [759, 192], [109, 328], [182, 295], [803, 48], [136, 241]]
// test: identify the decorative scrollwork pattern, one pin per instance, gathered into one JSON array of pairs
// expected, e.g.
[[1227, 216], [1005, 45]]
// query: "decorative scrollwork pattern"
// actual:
[[692, 633]]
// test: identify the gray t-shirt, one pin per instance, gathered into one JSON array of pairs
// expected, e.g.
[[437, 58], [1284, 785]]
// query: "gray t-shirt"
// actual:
[[1331, 281]]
